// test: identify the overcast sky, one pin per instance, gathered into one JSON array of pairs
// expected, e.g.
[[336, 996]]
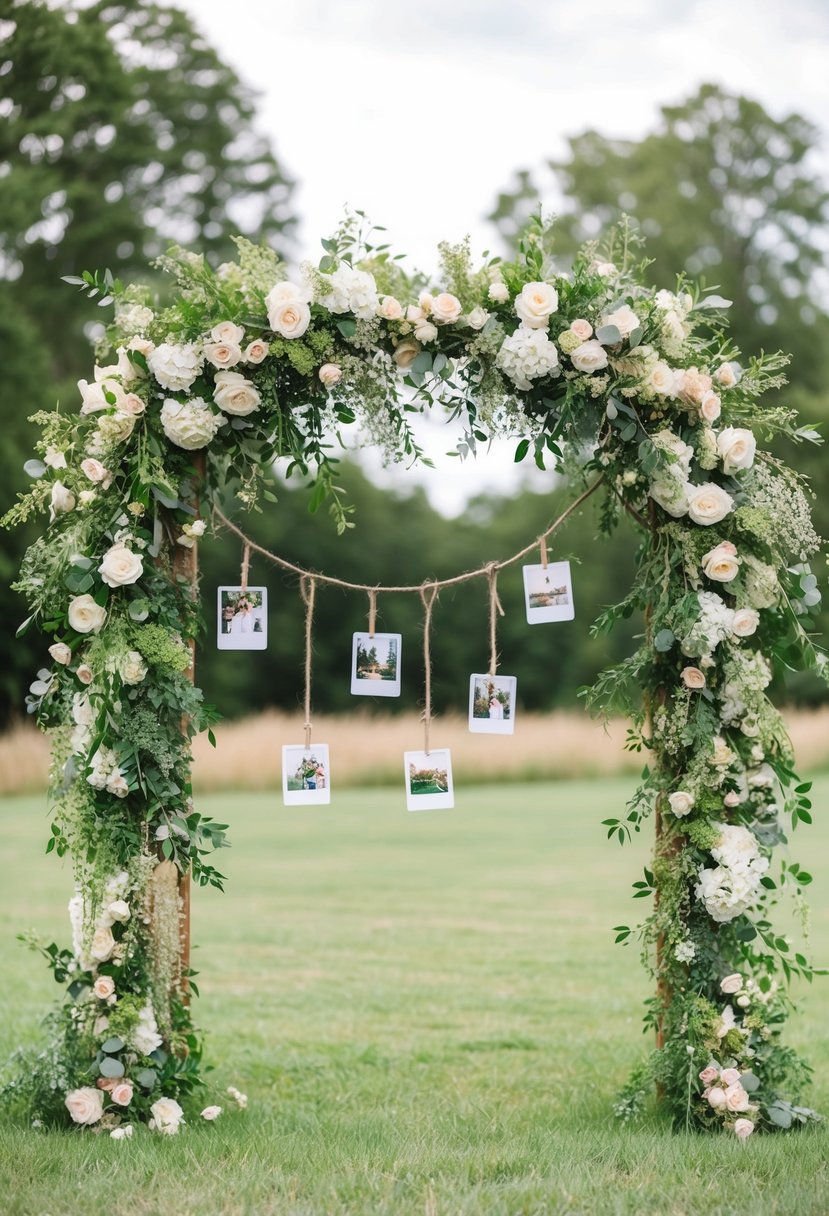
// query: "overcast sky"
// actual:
[[419, 113]]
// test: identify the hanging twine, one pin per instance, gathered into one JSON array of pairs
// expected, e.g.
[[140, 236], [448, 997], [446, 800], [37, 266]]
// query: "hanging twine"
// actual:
[[413, 588], [428, 594], [542, 543], [308, 588], [495, 610], [243, 575], [372, 611]]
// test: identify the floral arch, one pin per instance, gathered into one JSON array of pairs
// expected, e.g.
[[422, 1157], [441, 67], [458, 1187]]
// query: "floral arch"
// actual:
[[591, 368]]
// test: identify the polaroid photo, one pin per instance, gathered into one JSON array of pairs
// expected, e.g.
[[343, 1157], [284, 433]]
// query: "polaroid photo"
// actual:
[[548, 593], [242, 618], [492, 704], [429, 780], [375, 664], [306, 775]]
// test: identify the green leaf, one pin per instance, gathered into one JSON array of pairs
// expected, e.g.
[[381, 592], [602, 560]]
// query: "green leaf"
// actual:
[[635, 337], [110, 1067], [521, 450], [664, 640], [749, 1082], [112, 1045], [608, 335], [780, 1116], [347, 328], [146, 1077]]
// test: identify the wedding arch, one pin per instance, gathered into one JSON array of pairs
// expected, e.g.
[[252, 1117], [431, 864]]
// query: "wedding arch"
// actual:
[[636, 393]]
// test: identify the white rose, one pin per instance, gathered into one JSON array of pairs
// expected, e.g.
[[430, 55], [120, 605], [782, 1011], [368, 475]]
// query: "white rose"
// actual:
[[222, 354], [731, 984], [745, 622], [390, 309], [710, 407], [591, 356], [446, 308], [132, 668], [211, 1112], [477, 318], [708, 504], [721, 564], [414, 314], [425, 331], [84, 615], [536, 304], [284, 293], [119, 910], [693, 678], [103, 943], [132, 404], [189, 424], [120, 566], [406, 352], [290, 319], [330, 374], [736, 446], [85, 1105], [94, 396], [681, 802], [235, 395], [256, 351], [732, 799], [61, 653], [104, 987], [226, 331], [116, 428], [166, 1116], [62, 500], [726, 375], [85, 673], [498, 293], [624, 318], [175, 367], [94, 470], [662, 379], [716, 1097]]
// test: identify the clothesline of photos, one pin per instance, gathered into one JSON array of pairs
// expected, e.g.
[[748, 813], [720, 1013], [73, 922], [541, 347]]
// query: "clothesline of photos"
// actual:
[[375, 671]]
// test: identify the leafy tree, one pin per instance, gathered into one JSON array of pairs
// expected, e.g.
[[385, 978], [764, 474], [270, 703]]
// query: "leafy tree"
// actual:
[[121, 130]]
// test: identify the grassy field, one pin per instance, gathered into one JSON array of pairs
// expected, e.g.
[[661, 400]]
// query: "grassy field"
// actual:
[[428, 1015]]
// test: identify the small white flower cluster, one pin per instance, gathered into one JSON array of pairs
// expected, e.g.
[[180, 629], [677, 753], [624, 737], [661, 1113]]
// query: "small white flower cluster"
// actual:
[[685, 951], [145, 1037], [527, 355], [714, 624], [105, 773], [733, 888], [674, 326]]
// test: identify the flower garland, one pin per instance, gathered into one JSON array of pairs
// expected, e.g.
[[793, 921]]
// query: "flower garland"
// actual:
[[592, 369]]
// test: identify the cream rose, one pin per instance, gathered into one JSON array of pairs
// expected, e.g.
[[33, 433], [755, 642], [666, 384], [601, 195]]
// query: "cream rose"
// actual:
[[725, 376], [477, 318], [536, 304], [425, 301], [390, 309], [446, 308], [731, 984], [582, 329], [710, 407], [743, 1128], [166, 1116], [406, 352], [132, 405], [94, 470], [736, 1098], [62, 500], [330, 374], [121, 1094], [103, 943], [624, 318], [61, 653], [235, 395], [708, 504], [132, 668], [694, 384], [85, 673], [681, 802], [290, 319], [721, 564], [190, 424], [425, 331], [730, 1076], [85, 1105], [693, 678], [591, 356], [227, 332], [119, 910], [662, 379], [84, 615], [745, 622], [222, 354], [210, 1113], [104, 987], [736, 446], [716, 1098], [120, 566], [256, 351], [498, 293]]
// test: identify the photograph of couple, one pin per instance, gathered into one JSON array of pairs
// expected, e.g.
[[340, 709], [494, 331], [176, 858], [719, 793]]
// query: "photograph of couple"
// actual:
[[305, 775], [492, 704], [242, 618]]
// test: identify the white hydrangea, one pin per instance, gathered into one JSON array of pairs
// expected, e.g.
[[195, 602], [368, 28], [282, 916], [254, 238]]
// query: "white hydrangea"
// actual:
[[527, 355], [713, 626], [733, 888], [685, 952], [759, 585], [134, 318], [190, 424], [145, 1037], [175, 365], [351, 291]]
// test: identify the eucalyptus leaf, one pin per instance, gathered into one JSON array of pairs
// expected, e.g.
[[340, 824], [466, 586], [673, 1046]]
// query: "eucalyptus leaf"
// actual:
[[664, 640], [113, 1044], [749, 1082], [34, 468], [608, 335], [146, 1077], [635, 337], [422, 363], [711, 303], [139, 610], [110, 1067], [780, 1116]]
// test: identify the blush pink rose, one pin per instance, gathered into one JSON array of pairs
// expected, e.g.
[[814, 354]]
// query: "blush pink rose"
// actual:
[[709, 1074], [743, 1128], [122, 1093]]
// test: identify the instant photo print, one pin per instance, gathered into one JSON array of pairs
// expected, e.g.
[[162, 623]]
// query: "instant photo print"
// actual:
[[548, 593], [429, 780], [375, 664], [492, 704], [242, 618], [306, 775]]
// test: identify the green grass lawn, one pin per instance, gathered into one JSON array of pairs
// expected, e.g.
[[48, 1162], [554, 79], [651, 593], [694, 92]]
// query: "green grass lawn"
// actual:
[[429, 1017]]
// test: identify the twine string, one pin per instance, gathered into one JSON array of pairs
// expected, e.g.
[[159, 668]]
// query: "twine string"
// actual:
[[245, 571], [413, 588], [428, 594], [372, 611], [495, 610], [308, 589]]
